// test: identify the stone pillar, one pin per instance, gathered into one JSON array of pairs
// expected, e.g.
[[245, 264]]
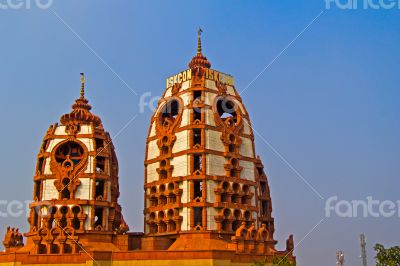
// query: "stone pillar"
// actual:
[[204, 217], [191, 190], [217, 196], [191, 218], [218, 221], [106, 186], [229, 196], [92, 217]]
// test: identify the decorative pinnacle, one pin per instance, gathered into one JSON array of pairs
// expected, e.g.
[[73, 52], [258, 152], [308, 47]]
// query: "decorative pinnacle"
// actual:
[[199, 40], [82, 85]]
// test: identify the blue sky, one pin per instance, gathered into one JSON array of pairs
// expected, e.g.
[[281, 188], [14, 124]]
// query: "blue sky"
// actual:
[[325, 110]]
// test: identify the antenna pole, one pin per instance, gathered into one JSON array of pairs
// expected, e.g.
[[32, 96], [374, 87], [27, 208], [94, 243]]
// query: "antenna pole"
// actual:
[[363, 249]]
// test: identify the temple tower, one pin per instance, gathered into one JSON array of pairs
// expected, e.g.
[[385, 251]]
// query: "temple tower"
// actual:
[[201, 170], [75, 195]]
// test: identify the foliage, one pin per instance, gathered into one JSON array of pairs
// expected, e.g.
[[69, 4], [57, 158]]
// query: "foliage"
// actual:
[[260, 263], [387, 257], [276, 261], [279, 261]]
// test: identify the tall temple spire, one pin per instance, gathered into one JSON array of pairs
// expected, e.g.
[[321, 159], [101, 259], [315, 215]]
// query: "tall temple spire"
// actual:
[[199, 60], [82, 85], [199, 40]]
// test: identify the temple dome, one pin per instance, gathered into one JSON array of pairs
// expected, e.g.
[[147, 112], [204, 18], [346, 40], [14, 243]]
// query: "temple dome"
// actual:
[[76, 186], [201, 170]]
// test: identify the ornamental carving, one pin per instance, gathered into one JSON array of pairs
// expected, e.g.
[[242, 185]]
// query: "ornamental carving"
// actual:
[[67, 160]]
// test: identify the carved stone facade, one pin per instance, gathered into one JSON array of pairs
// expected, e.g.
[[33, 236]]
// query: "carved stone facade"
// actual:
[[206, 195], [201, 170], [75, 195]]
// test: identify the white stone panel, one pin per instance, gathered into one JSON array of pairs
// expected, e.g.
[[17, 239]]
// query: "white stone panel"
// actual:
[[43, 210], [152, 150], [211, 213], [246, 148], [210, 117], [211, 185], [185, 85], [88, 143], [253, 199], [213, 140], [185, 191], [254, 214], [60, 131], [49, 190], [152, 174], [47, 170], [186, 98], [153, 129], [210, 84], [240, 105], [185, 213], [209, 98], [90, 165], [168, 92], [185, 117], [215, 165], [84, 191], [86, 129], [53, 143], [246, 127], [182, 141], [230, 90], [181, 166], [147, 202], [248, 170]]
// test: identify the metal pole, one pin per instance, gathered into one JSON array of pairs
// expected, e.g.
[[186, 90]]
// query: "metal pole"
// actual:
[[363, 249]]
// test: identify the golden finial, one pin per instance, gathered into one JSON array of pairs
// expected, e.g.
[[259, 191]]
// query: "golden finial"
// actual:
[[199, 40], [82, 85]]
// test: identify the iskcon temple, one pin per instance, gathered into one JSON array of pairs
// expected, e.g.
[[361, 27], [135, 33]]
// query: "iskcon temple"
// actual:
[[206, 195]]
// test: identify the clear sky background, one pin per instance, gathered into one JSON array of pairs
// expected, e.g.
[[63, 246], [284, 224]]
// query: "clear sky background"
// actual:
[[329, 105]]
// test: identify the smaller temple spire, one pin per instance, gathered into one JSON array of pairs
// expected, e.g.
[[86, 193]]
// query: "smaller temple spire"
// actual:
[[199, 40], [81, 110], [82, 85]]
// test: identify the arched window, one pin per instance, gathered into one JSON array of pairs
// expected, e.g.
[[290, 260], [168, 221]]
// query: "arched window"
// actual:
[[169, 112], [227, 111], [71, 150], [63, 220], [76, 224], [65, 194]]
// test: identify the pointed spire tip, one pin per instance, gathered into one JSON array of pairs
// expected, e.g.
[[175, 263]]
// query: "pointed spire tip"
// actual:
[[199, 31], [82, 85]]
